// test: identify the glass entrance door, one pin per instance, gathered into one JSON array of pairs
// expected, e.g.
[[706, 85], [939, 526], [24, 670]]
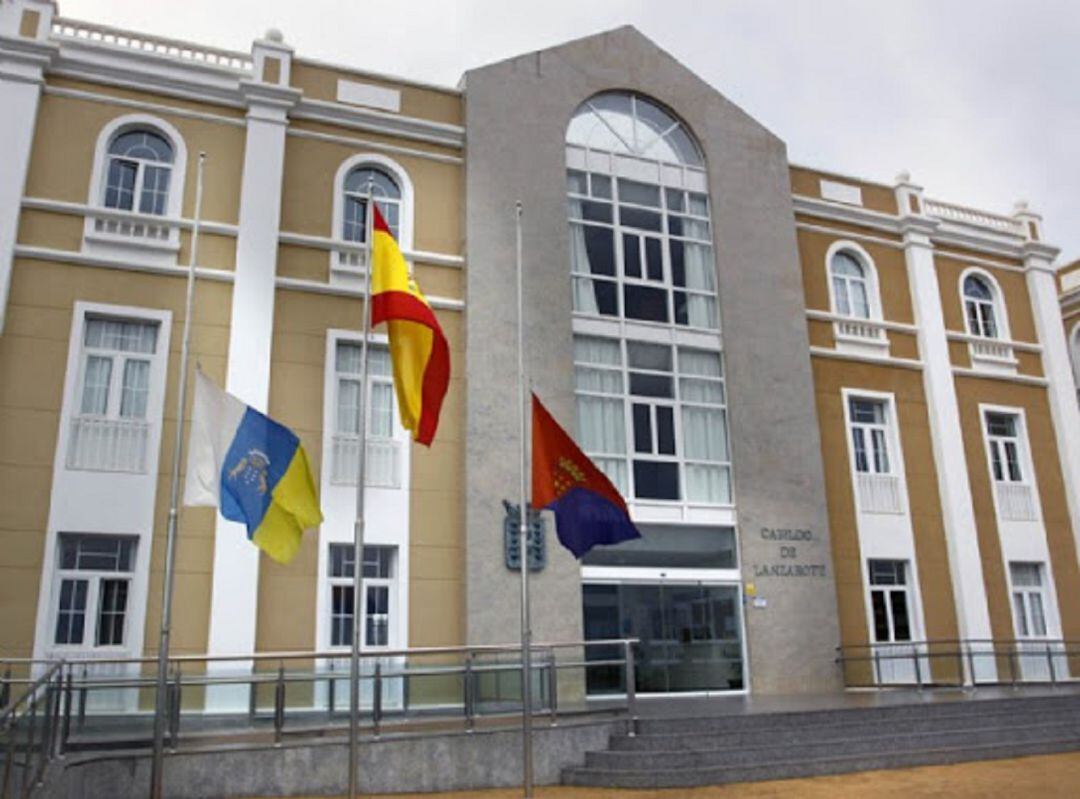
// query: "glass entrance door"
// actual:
[[691, 636]]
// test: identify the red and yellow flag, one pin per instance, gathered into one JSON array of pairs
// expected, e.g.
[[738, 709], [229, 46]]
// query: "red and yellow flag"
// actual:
[[418, 348]]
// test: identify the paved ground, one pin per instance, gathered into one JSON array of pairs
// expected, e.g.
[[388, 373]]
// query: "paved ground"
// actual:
[[1046, 776]]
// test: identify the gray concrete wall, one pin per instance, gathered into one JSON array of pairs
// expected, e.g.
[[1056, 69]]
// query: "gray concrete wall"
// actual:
[[464, 761], [516, 117]]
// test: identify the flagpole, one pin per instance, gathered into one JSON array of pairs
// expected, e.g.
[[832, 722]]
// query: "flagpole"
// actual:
[[523, 535], [157, 770], [358, 525]]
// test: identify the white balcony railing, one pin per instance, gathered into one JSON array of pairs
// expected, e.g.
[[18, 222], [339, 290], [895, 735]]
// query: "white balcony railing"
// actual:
[[134, 228], [989, 349], [864, 329], [116, 38], [382, 468], [879, 493], [1016, 502], [108, 445], [974, 217]]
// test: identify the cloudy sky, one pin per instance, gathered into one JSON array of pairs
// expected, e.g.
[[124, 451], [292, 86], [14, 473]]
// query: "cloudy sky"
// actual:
[[979, 100]]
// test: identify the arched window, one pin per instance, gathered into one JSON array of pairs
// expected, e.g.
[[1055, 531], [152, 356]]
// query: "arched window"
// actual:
[[851, 286], [139, 172], [652, 415], [640, 232], [368, 181], [980, 307]]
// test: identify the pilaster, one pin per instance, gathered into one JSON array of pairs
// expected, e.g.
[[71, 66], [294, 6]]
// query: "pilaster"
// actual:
[[1057, 367], [957, 506], [233, 607], [25, 54]]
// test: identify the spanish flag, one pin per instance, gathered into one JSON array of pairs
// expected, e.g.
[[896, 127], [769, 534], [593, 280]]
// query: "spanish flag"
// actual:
[[418, 348]]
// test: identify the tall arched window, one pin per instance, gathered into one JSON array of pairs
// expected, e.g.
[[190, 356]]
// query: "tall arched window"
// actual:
[[652, 415], [139, 171], [980, 306], [360, 183], [851, 288]]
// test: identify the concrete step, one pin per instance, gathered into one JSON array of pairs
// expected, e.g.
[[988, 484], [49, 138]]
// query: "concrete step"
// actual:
[[819, 718], [809, 767], [802, 732], [883, 741]]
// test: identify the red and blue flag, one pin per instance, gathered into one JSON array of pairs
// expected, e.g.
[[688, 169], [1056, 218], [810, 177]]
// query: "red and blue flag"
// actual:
[[589, 510]]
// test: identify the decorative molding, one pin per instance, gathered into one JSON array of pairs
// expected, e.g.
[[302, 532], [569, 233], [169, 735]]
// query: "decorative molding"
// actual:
[[882, 360], [315, 287], [325, 243], [204, 273], [142, 105], [829, 316], [863, 237], [1024, 346], [1029, 380], [369, 144], [82, 209], [374, 121]]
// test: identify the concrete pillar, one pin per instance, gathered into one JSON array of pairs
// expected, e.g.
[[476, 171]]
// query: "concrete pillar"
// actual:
[[25, 54], [233, 610], [957, 506], [1061, 391]]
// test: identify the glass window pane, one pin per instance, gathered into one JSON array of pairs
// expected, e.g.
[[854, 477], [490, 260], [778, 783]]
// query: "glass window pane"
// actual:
[[112, 604], [144, 145], [665, 430], [1020, 615], [120, 185], [638, 218], [656, 480], [601, 351], [576, 182], [601, 185], [881, 617], [642, 428], [371, 180], [631, 255], [647, 304], [648, 385], [700, 362], [901, 623], [1038, 617], [592, 250], [858, 441], [656, 357], [96, 379], [630, 191], [654, 265], [136, 389], [601, 425]]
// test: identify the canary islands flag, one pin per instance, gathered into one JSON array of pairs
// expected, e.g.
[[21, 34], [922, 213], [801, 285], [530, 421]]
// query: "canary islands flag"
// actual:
[[418, 348], [589, 510], [252, 468]]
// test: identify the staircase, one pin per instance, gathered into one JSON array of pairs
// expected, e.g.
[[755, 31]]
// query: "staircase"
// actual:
[[712, 750]]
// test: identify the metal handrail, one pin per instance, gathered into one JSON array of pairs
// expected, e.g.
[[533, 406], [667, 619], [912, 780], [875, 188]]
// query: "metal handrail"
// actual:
[[25, 749], [924, 654], [73, 686]]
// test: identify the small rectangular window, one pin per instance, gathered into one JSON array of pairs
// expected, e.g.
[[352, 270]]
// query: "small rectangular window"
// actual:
[[656, 480], [378, 580], [645, 303], [94, 577]]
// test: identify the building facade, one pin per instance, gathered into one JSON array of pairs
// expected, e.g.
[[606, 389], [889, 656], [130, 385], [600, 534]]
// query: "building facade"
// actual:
[[842, 413]]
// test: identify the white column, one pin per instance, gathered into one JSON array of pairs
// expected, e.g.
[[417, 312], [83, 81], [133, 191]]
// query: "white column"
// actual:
[[25, 54], [233, 604], [950, 461], [1057, 367]]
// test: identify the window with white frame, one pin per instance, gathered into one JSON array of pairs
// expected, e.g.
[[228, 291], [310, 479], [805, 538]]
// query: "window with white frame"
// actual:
[[379, 583], [653, 417], [360, 183], [851, 286], [980, 307], [870, 435], [640, 246], [383, 451], [109, 428], [1029, 599], [890, 600], [92, 590], [1003, 438], [138, 172]]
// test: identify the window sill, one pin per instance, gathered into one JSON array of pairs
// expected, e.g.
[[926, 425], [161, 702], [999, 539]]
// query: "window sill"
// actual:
[[119, 235]]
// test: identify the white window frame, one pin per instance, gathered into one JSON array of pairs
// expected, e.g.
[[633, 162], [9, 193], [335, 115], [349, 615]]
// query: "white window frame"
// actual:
[[1023, 593], [390, 445], [389, 583], [127, 234], [94, 579], [150, 423], [914, 626], [620, 279], [1014, 500], [859, 334], [342, 256], [992, 353], [676, 403], [877, 492]]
